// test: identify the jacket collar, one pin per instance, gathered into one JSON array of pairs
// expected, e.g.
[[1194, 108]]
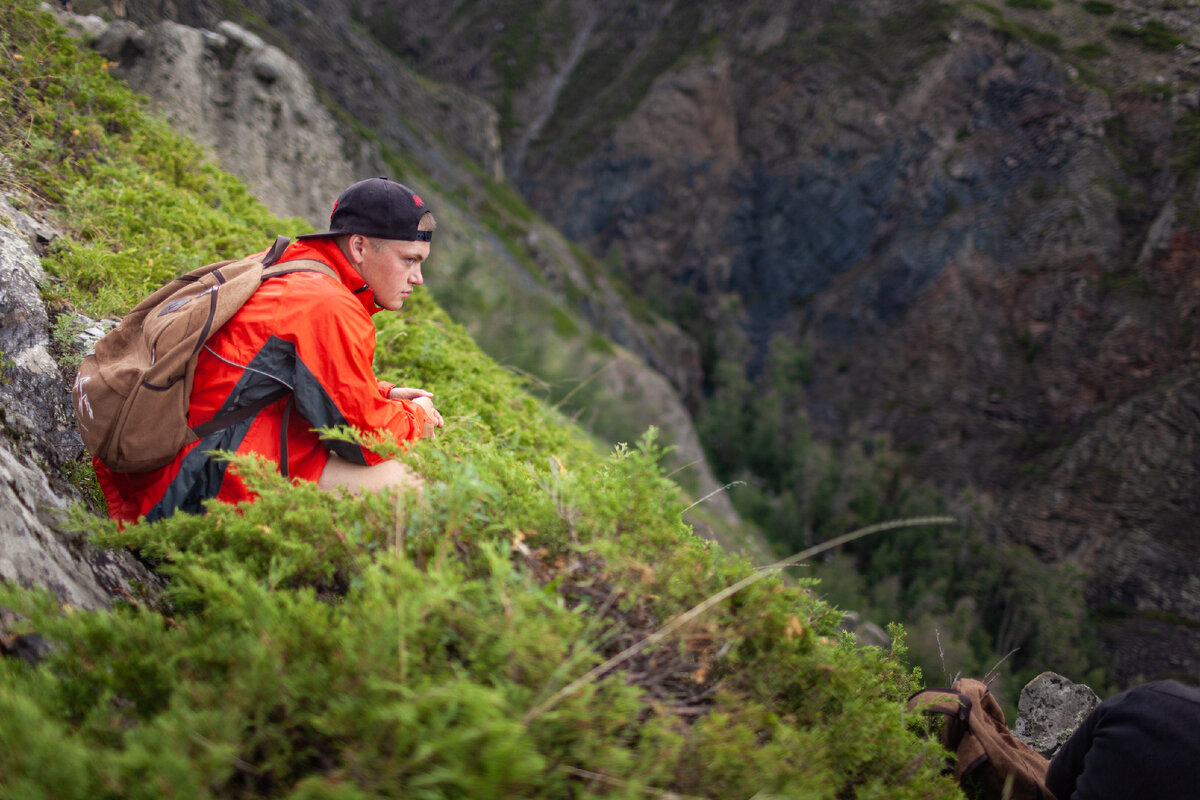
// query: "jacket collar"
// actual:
[[326, 250]]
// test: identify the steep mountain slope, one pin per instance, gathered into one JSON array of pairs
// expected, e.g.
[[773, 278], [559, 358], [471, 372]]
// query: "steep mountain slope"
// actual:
[[256, 108], [965, 212], [960, 216], [503, 634]]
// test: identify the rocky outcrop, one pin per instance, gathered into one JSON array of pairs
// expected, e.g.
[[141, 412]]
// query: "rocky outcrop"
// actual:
[[1050, 709], [33, 403], [376, 90], [1132, 522], [246, 100], [38, 442]]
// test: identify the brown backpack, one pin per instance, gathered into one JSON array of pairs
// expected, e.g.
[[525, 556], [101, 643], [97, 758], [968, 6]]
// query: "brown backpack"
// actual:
[[132, 392], [989, 763]]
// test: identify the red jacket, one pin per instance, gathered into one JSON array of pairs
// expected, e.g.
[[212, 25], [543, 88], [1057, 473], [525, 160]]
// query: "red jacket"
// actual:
[[303, 331]]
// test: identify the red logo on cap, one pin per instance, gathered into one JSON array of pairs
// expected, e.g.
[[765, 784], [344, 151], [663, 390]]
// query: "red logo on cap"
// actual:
[[417, 200]]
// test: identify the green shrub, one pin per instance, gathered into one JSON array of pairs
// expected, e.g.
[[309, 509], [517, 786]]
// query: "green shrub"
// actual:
[[1155, 36], [1091, 51], [1099, 8], [1040, 5], [1186, 138]]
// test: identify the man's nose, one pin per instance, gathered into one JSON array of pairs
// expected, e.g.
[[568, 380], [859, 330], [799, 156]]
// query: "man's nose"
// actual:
[[416, 278]]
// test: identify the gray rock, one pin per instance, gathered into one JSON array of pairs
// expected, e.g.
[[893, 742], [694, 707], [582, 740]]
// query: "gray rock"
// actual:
[[214, 41], [866, 633], [239, 36], [1050, 709], [34, 230], [265, 71], [254, 106], [34, 403], [88, 332], [88, 26], [35, 551], [37, 439], [121, 41]]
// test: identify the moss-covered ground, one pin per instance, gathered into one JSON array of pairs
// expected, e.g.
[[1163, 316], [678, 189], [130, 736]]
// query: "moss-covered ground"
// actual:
[[310, 645]]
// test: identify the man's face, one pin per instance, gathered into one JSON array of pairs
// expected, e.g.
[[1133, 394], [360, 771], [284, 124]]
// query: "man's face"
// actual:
[[390, 267]]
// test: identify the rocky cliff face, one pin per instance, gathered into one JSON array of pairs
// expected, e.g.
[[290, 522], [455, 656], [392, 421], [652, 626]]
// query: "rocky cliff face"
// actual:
[[969, 212], [38, 443], [248, 101]]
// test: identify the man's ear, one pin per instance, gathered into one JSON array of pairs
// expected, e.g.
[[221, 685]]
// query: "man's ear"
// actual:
[[356, 246]]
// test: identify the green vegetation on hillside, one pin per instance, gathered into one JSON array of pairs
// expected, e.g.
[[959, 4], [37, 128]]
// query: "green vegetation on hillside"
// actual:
[[966, 603], [883, 49], [1099, 8], [315, 646], [1158, 37], [1091, 50]]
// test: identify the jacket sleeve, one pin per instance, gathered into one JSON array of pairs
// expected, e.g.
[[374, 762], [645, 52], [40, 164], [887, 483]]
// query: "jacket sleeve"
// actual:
[[335, 382]]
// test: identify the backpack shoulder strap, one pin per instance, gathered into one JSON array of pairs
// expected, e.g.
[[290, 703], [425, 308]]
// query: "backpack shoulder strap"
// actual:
[[272, 269], [276, 251], [300, 265]]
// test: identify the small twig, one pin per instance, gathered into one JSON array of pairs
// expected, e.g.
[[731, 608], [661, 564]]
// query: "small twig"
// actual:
[[527, 375], [697, 610], [608, 780], [688, 465], [941, 653], [713, 492], [583, 383], [608, 603], [991, 673]]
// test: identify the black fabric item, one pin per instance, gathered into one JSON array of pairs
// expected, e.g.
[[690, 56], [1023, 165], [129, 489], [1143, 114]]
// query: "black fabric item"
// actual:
[[1142, 743], [283, 434], [273, 368], [315, 405], [378, 207], [200, 475], [277, 359]]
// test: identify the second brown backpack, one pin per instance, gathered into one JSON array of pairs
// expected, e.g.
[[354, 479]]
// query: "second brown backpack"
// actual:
[[989, 762]]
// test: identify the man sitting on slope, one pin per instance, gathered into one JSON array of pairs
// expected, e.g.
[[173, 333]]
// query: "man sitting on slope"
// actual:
[[313, 334]]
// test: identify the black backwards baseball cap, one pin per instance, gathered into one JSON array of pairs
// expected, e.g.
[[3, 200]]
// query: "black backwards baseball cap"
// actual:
[[377, 207]]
